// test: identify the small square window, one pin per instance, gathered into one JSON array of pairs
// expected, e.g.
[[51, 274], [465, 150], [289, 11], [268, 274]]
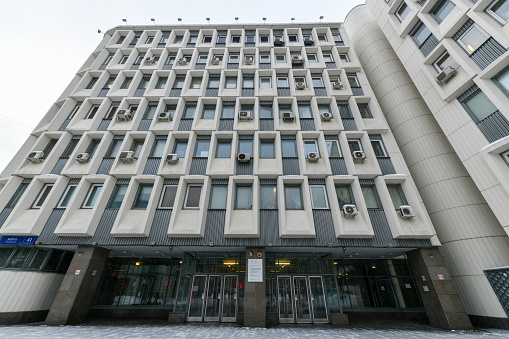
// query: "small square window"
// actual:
[[192, 199], [178, 39], [282, 82], [161, 82], [209, 111], [354, 145], [421, 35], [180, 148], [219, 58], [250, 39], [264, 38], [207, 39], [344, 57], [444, 61], [365, 111], [93, 194], [310, 146], [230, 82], [300, 81], [123, 59], [312, 58], [499, 9], [149, 40], [379, 148], [213, 82], [192, 40], [233, 59], [327, 57], [248, 82], [317, 82], [353, 81], [221, 39], [202, 149], [236, 39], [92, 112], [280, 58], [196, 83], [202, 59], [442, 9], [402, 11], [264, 58], [322, 37], [92, 82], [293, 38], [189, 112], [179, 83], [333, 149], [120, 39], [479, 105]]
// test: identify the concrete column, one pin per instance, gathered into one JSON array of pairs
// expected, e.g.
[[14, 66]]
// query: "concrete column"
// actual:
[[438, 293], [254, 295], [77, 290]]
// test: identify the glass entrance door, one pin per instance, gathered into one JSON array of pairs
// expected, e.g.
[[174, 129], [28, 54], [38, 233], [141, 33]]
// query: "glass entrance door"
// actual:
[[285, 303], [229, 309], [301, 296], [318, 303], [197, 301], [214, 289]]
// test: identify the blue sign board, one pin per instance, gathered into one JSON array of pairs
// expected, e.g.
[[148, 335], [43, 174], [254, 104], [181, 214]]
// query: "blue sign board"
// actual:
[[17, 240]]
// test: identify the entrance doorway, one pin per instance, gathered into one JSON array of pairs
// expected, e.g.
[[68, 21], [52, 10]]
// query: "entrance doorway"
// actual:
[[213, 298], [301, 299]]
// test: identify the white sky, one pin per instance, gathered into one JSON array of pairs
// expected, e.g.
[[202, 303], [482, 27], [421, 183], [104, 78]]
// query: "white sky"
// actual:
[[45, 43]]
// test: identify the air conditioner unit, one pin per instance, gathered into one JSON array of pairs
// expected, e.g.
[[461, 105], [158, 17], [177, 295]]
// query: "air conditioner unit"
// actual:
[[248, 61], [164, 116], [446, 74], [244, 115], [313, 156], [300, 85], [83, 158], [123, 114], [172, 158], [35, 156], [288, 116], [326, 116], [244, 157], [182, 61], [406, 212], [350, 210], [308, 42], [126, 157], [214, 61], [297, 59], [150, 60], [278, 42], [337, 85], [359, 156]]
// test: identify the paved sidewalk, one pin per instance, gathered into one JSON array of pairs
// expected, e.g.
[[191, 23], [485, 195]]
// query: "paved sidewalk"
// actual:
[[204, 331]]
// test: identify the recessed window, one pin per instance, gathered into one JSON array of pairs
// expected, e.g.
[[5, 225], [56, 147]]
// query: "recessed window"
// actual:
[[43, 194], [218, 195], [219, 58], [230, 82], [202, 59], [421, 35], [114, 148], [192, 39], [137, 147], [250, 39], [318, 197], [123, 59], [327, 57], [370, 197], [178, 39], [265, 82], [442, 9], [246, 146], [312, 58], [118, 196], [284, 108], [305, 111], [120, 39], [158, 148], [92, 112], [354, 145], [224, 148], [264, 58], [289, 148], [170, 60], [180, 148], [221, 39], [236, 39], [207, 39], [66, 197], [479, 105], [293, 198], [333, 149], [444, 61], [248, 82], [149, 40], [396, 194], [317, 81], [473, 38], [402, 11], [322, 37], [179, 82], [127, 82], [233, 58], [267, 149], [209, 112], [379, 148], [243, 197], [299, 81], [293, 38], [91, 83], [161, 82], [196, 83], [228, 112], [499, 9], [344, 195], [353, 81], [192, 199], [268, 197], [344, 57], [310, 146], [365, 111], [264, 38], [143, 196], [93, 194], [164, 39], [202, 148], [282, 82], [168, 196], [213, 83], [189, 112], [280, 58], [502, 81]]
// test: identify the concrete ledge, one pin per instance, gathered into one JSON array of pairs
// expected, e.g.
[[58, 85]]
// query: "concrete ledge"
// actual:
[[12, 318], [339, 319], [493, 322], [176, 318]]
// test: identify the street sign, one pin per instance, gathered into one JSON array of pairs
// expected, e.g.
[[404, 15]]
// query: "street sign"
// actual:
[[17, 240]]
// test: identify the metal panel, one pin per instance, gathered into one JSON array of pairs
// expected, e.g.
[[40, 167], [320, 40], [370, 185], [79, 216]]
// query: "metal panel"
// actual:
[[266, 125], [489, 51], [212, 92], [338, 166], [103, 126], [4, 215], [283, 92], [175, 92], [160, 223], [297, 66], [494, 126], [198, 166], [499, 280], [226, 124], [139, 92], [185, 124], [152, 166], [51, 224], [320, 92], [232, 66], [244, 168], [357, 91], [105, 166], [59, 165], [135, 67], [463, 29], [199, 66], [429, 45], [291, 166], [247, 92], [330, 65], [103, 92], [385, 164], [145, 125], [264, 66], [64, 125], [307, 124], [349, 124]]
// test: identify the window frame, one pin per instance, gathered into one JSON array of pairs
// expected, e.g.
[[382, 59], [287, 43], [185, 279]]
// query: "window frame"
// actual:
[[312, 58], [138, 195], [115, 194], [227, 84], [494, 14], [339, 149], [441, 5], [163, 191], [275, 200], [176, 145], [264, 39], [293, 38], [382, 146], [207, 39], [92, 111], [282, 78], [64, 195], [84, 205], [313, 79], [441, 59], [92, 83], [403, 15], [367, 110], [237, 186], [269, 78], [123, 59], [196, 83], [196, 149], [264, 58], [126, 83], [309, 141], [268, 141], [299, 186], [233, 58], [223, 142], [186, 197], [322, 37], [324, 190], [42, 194], [150, 39], [350, 191], [358, 141], [236, 39], [465, 46], [354, 77], [161, 83], [328, 55], [499, 84], [344, 57]]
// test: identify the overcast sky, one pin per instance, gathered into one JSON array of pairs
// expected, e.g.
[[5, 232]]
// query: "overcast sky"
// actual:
[[46, 42]]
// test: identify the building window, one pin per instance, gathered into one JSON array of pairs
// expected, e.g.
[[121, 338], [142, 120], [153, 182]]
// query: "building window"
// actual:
[[161, 82], [209, 111], [213, 83], [250, 39], [344, 57], [444, 61], [395, 192], [139, 58], [284, 108], [479, 106], [180, 148], [333, 149], [379, 148], [179, 82], [170, 60], [202, 149], [246, 146], [168, 196], [233, 58], [268, 197], [499, 9], [300, 80], [353, 81], [318, 197], [192, 199], [322, 37], [289, 148], [502, 80], [114, 148], [265, 112], [66, 197], [236, 39], [248, 82], [337, 38], [219, 58], [317, 82], [282, 82], [312, 58], [473, 38], [370, 197], [293, 38], [126, 83], [43, 194], [202, 59], [137, 147], [264, 58], [118, 196], [142, 196], [92, 147], [230, 82], [178, 39], [196, 83], [224, 148], [280, 58], [264, 38], [189, 112], [123, 59], [243, 196], [421, 34], [265, 82], [267, 149], [365, 111], [207, 39], [442, 9], [354, 145], [158, 148], [221, 39], [92, 112], [17, 195], [149, 40], [293, 198], [305, 111], [92, 82], [93, 194], [402, 11], [344, 195], [218, 196], [228, 112], [327, 57], [310, 146], [120, 39]]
